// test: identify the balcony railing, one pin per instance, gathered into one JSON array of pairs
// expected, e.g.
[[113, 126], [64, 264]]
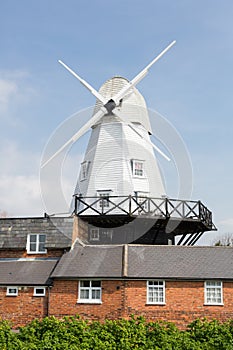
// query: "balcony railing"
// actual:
[[143, 206]]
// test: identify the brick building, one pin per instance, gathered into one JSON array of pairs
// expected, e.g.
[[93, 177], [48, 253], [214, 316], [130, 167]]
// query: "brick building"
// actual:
[[116, 255], [43, 273]]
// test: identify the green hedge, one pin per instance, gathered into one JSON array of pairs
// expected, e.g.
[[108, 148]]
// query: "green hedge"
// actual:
[[73, 333]]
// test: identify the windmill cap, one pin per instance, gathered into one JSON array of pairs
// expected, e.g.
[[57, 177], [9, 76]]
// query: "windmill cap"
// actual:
[[133, 106]]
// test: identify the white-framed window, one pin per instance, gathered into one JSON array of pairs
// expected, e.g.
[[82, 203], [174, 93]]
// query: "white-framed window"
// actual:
[[36, 244], [94, 234], [213, 293], [156, 292], [138, 168], [12, 291], [84, 170], [39, 292], [141, 198], [89, 292], [104, 202]]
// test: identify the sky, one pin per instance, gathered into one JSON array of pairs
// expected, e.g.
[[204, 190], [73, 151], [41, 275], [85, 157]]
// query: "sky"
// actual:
[[191, 86]]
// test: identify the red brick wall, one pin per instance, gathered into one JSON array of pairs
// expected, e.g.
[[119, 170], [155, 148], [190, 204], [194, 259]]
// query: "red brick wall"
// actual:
[[184, 302], [23, 308], [64, 296]]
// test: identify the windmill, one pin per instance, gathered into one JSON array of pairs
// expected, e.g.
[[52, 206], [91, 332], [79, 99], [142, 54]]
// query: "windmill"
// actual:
[[119, 176]]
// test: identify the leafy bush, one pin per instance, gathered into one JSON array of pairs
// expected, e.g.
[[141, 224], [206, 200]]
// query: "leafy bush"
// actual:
[[73, 333], [8, 339]]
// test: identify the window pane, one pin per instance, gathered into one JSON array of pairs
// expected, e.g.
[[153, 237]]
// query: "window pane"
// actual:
[[33, 238], [42, 247], [32, 247], [84, 294], [96, 283], [95, 294], [85, 284], [42, 238], [39, 291]]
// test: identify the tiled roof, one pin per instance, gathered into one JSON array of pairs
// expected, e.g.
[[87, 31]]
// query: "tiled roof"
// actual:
[[146, 261], [180, 262], [26, 271], [14, 231], [90, 261]]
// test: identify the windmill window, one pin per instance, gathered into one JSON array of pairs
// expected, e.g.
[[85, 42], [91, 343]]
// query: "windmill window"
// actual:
[[89, 292], [94, 234], [142, 200], [36, 244], [12, 291], [39, 292], [84, 171], [156, 292], [138, 168], [104, 201], [213, 293]]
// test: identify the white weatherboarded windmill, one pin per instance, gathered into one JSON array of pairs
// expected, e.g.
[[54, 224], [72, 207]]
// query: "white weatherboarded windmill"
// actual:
[[119, 177]]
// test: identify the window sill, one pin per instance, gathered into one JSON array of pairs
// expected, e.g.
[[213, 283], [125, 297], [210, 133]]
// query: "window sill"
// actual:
[[155, 303], [41, 253], [89, 302], [211, 304]]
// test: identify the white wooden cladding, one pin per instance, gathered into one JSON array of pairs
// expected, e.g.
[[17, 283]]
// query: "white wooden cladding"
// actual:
[[114, 147]]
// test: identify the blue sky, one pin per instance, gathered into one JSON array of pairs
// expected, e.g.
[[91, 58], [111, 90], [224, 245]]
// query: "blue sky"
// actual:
[[191, 85]]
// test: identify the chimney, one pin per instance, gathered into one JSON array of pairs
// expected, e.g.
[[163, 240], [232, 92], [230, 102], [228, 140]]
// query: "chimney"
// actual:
[[80, 230]]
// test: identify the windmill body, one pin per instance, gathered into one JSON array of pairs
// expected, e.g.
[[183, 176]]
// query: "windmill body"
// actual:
[[120, 179], [119, 162]]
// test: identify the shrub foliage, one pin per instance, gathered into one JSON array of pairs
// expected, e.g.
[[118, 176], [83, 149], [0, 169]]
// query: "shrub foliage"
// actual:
[[73, 333]]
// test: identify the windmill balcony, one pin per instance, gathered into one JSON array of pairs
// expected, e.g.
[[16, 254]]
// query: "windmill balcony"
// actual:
[[182, 216]]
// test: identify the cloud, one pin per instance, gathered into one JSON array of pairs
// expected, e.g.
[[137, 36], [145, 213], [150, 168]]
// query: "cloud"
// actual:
[[15, 90], [21, 193], [19, 181], [8, 89]]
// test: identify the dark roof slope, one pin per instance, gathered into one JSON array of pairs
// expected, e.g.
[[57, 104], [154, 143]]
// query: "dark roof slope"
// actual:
[[90, 261], [145, 261], [180, 262], [26, 271], [14, 231]]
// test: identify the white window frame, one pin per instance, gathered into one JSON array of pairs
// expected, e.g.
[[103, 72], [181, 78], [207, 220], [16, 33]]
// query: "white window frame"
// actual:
[[84, 170], [216, 289], [90, 289], [37, 243], [94, 234], [142, 197], [139, 173], [35, 294], [105, 202], [156, 287], [9, 293]]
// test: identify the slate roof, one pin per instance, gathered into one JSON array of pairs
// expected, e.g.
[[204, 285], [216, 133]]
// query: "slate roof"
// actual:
[[90, 261], [146, 261], [26, 271], [14, 231], [180, 262]]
